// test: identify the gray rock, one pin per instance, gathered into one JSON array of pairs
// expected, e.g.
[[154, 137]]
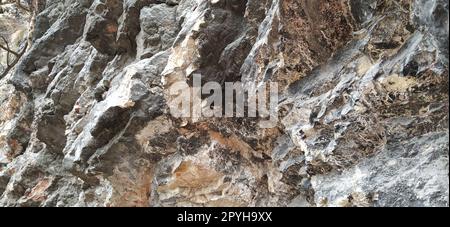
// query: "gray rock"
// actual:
[[363, 111], [408, 173]]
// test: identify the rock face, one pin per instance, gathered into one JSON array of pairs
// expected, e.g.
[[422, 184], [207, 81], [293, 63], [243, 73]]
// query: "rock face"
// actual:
[[363, 109]]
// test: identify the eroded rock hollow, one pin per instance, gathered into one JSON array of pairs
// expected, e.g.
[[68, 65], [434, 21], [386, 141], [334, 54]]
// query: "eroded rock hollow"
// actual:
[[362, 112]]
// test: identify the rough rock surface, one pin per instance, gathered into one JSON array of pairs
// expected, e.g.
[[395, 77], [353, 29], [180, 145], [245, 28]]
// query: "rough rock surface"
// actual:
[[363, 89]]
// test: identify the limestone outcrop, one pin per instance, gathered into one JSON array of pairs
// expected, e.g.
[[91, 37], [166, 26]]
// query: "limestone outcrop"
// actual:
[[363, 105]]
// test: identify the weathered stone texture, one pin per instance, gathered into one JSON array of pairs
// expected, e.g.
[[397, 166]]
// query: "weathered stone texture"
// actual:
[[84, 119]]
